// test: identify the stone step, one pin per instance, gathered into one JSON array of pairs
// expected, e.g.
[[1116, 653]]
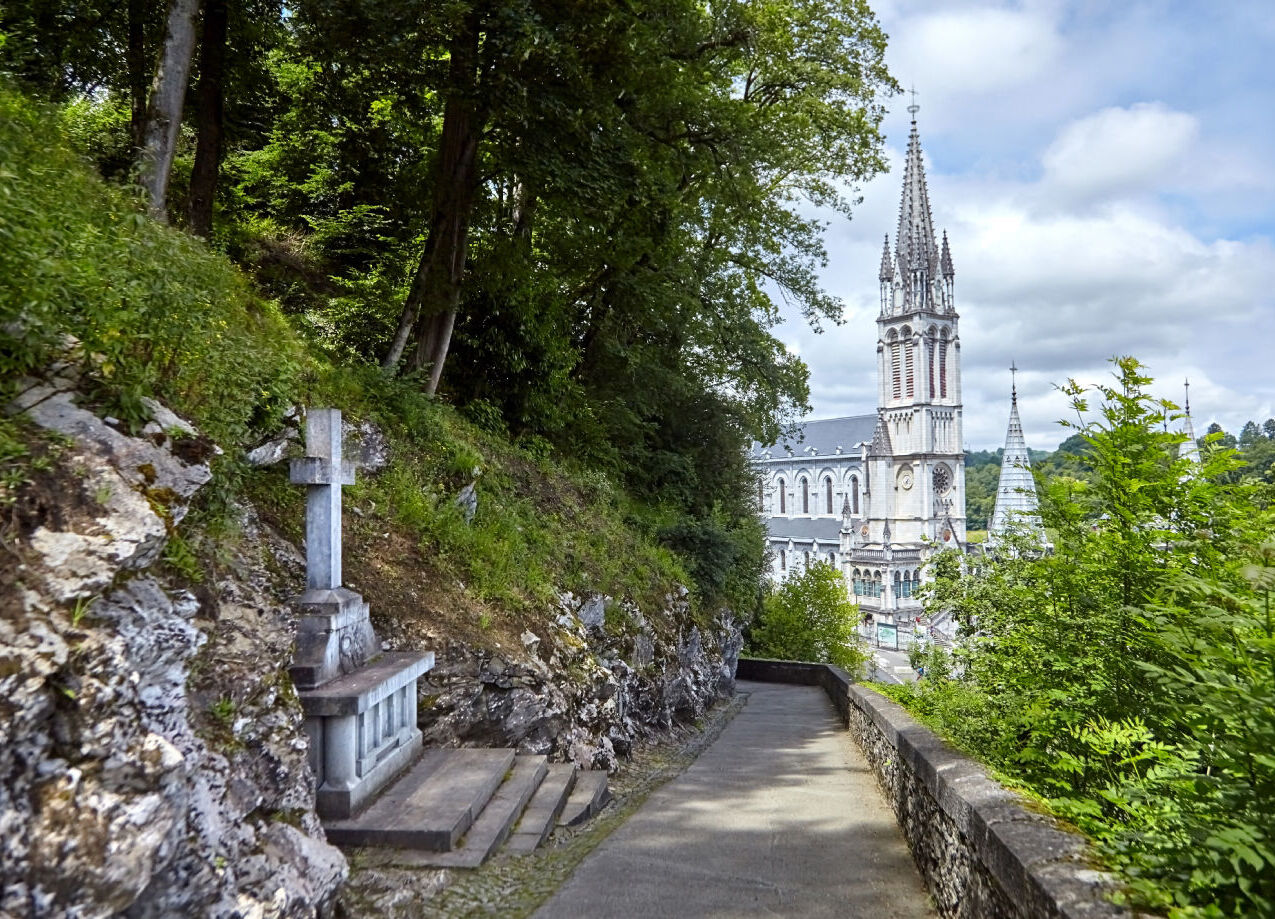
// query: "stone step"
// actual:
[[432, 805], [541, 815], [497, 819], [587, 798]]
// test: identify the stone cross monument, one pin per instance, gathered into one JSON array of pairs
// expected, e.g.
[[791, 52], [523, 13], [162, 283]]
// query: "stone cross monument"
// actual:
[[359, 703], [335, 634]]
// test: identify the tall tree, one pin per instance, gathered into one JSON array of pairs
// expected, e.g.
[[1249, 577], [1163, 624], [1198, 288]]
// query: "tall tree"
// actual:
[[430, 309], [164, 109], [208, 118]]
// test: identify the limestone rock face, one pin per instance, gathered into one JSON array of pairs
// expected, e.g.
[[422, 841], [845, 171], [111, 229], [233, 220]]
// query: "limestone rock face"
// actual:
[[588, 696], [152, 757]]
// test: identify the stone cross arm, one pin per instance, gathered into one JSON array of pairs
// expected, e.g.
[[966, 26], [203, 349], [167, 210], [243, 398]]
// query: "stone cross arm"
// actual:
[[319, 470]]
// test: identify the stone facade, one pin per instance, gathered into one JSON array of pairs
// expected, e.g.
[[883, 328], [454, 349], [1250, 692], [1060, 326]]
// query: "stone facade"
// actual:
[[876, 494]]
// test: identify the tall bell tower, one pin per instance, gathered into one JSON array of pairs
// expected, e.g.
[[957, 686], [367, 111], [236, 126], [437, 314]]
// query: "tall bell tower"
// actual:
[[915, 462], [919, 370]]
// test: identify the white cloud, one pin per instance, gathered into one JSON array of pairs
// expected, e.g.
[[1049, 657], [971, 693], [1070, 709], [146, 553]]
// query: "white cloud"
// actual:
[[960, 52], [1119, 151], [1104, 175], [1059, 290]]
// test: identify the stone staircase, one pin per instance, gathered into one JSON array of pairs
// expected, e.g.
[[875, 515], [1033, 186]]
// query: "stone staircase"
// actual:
[[455, 808]]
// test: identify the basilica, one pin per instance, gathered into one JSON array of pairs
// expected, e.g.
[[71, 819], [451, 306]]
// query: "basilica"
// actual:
[[875, 494]]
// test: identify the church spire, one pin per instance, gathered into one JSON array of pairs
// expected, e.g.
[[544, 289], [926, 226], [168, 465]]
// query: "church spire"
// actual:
[[948, 271], [887, 268], [1016, 492], [914, 241], [1190, 449], [917, 254]]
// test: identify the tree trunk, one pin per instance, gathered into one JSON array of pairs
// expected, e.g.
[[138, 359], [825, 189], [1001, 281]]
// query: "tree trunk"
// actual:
[[203, 179], [135, 56], [164, 110], [430, 309]]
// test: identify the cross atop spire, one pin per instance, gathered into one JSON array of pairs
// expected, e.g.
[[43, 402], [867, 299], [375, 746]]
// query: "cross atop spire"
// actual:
[[913, 108], [1013, 381], [1187, 385]]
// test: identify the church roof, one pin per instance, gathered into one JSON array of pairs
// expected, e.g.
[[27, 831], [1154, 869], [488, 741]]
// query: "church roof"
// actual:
[[824, 529], [825, 435]]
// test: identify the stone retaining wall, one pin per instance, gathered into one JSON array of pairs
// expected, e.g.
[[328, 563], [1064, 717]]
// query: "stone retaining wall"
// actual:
[[983, 854]]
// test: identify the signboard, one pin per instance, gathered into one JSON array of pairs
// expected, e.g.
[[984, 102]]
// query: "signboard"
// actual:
[[887, 636]]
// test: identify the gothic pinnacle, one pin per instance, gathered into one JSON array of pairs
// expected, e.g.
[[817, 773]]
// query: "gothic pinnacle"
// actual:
[[887, 268], [948, 271]]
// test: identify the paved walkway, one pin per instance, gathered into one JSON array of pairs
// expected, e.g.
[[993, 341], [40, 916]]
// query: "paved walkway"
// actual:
[[779, 817]]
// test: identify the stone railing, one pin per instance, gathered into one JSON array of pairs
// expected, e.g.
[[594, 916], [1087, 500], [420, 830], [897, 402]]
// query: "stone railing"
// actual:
[[982, 853], [362, 730]]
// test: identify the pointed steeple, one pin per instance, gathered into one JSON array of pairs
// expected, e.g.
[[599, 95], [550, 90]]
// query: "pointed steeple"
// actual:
[[948, 271], [1190, 449], [914, 243], [881, 439], [887, 266], [1016, 492]]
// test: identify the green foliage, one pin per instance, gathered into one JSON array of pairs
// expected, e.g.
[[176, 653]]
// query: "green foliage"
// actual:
[[154, 312], [810, 617], [1128, 678]]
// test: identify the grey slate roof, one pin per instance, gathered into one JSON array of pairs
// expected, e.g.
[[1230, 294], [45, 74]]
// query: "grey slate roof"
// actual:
[[822, 528], [825, 435]]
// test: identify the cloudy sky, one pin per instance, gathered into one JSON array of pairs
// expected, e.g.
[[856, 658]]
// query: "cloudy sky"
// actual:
[[1106, 175]]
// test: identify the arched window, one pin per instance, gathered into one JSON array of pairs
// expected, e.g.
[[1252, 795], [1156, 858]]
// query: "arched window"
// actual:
[[805, 559], [827, 493], [876, 584], [896, 373], [908, 373], [943, 366], [898, 585], [805, 496], [783, 501], [783, 560], [832, 559], [761, 497], [929, 357], [857, 581], [854, 495]]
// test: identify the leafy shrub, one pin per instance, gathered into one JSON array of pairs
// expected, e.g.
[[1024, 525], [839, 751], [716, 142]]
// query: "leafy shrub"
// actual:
[[1129, 678], [155, 312], [810, 617]]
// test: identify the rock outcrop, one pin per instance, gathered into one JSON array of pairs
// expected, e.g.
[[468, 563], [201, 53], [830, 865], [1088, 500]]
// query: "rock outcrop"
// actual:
[[152, 760], [584, 693]]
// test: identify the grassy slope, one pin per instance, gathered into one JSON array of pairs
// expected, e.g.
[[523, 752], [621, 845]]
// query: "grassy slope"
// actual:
[[157, 313]]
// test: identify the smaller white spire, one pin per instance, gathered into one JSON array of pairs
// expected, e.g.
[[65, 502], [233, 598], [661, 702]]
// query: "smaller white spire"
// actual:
[[1190, 449], [1016, 491]]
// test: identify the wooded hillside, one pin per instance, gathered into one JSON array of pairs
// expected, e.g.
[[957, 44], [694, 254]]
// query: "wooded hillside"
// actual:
[[574, 222]]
